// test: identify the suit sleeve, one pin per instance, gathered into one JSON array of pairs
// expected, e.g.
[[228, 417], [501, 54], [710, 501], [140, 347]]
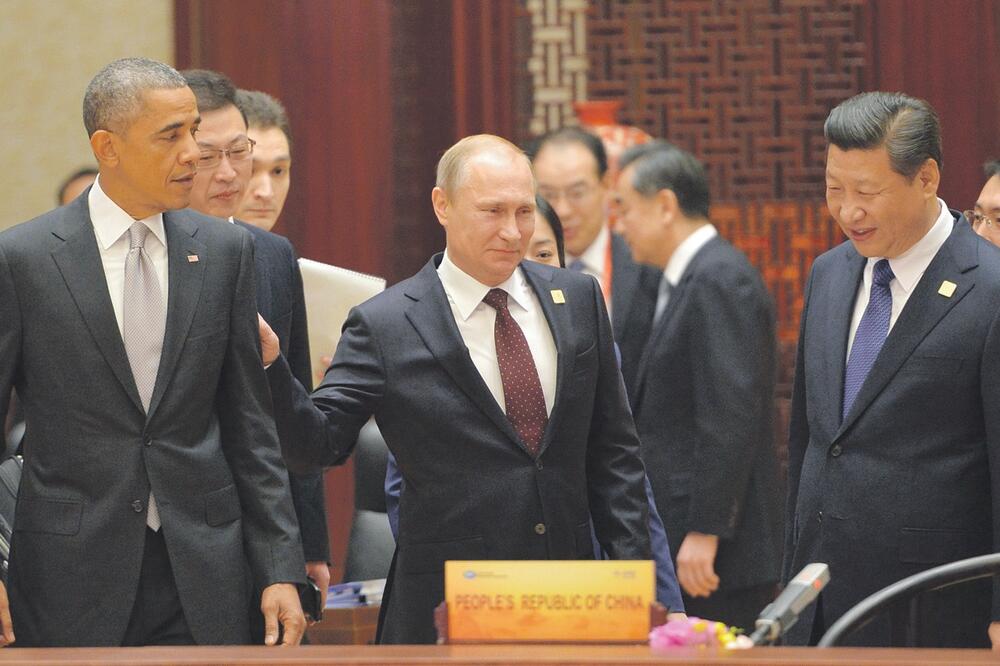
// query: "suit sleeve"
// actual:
[[668, 590], [250, 443], [798, 439], [619, 507], [990, 392], [308, 492], [10, 337], [322, 429], [733, 384]]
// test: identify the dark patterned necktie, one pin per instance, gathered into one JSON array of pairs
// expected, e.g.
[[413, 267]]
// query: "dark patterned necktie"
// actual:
[[871, 334], [522, 390]]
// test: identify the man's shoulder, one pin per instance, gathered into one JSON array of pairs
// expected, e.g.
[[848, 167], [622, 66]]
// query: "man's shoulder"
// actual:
[[265, 238], [60, 220]]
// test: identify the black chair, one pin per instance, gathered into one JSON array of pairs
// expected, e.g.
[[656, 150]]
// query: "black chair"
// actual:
[[371, 545], [903, 600]]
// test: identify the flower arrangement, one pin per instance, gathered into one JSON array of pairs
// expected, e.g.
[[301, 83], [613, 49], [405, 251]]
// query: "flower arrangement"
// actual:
[[691, 631]]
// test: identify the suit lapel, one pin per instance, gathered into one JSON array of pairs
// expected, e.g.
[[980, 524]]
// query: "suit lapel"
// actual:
[[79, 262], [431, 316], [185, 284], [557, 316], [924, 309], [624, 283]]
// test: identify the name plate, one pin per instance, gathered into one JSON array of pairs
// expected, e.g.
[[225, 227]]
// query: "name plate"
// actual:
[[549, 601]]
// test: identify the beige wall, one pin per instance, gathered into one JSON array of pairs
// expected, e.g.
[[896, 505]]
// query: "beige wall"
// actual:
[[49, 50]]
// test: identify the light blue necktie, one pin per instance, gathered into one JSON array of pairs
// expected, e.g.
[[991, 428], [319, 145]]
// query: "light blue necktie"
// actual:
[[871, 333]]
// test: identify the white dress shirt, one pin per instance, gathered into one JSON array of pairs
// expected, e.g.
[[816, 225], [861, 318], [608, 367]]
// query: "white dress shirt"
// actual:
[[111, 225], [476, 320], [684, 253], [908, 268], [594, 259]]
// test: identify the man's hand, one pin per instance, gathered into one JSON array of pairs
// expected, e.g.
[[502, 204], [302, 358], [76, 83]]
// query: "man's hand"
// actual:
[[326, 361], [5, 622], [320, 573], [280, 605], [676, 616], [269, 345], [696, 564], [994, 635]]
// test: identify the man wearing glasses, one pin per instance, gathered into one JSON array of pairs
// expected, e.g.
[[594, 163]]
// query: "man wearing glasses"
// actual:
[[571, 167], [220, 182], [985, 218]]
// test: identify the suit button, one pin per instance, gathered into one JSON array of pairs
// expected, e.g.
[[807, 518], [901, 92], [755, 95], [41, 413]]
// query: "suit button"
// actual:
[[540, 528], [819, 516], [539, 465], [836, 450], [137, 506], [148, 441]]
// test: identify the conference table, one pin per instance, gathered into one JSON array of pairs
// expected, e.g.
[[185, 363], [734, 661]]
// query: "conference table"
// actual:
[[482, 655]]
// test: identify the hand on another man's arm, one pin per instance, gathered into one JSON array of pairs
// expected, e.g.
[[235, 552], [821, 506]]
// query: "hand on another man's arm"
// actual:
[[7, 625], [270, 346]]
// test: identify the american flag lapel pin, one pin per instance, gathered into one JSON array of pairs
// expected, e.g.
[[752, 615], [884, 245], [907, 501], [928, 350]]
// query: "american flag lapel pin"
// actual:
[[192, 258]]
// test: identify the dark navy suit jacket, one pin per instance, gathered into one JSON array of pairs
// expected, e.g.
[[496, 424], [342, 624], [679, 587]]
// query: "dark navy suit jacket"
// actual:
[[473, 491], [282, 305], [909, 479]]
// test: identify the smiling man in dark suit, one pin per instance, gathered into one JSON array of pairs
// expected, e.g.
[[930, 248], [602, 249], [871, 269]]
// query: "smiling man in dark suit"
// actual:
[[894, 452], [495, 384], [220, 184], [704, 394], [153, 495]]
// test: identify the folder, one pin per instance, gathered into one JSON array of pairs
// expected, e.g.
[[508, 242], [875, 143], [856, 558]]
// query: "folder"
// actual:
[[330, 293]]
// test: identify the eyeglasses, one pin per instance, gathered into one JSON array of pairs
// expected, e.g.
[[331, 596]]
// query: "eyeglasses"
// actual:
[[574, 195], [976, 218], [212, 157]]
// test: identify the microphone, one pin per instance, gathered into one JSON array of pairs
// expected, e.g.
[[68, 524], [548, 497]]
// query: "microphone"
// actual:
[[783, 612]]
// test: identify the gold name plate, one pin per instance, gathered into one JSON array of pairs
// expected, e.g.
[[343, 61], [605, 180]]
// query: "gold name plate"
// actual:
[[523, 601]]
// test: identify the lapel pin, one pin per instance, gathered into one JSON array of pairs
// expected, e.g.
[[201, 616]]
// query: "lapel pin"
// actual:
[[557, 296], [947, 288], [192, 258]]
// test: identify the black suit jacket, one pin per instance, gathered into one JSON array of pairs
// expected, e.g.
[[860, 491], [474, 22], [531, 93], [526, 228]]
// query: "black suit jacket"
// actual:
[[208, 447], [472, 489], [633, 299], [909, 479], [704, 405], [281, 302]]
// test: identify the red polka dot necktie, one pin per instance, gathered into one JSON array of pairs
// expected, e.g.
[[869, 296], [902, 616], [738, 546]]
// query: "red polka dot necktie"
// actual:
[[522, 391]]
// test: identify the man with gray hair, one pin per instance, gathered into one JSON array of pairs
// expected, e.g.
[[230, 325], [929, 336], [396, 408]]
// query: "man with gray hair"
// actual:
[[153, 496], [495, 384], [894, 449]]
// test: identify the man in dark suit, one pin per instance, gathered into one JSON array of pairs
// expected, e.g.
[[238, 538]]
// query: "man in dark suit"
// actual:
[[703, 396], [495, 385], [153, 495], [894, 451], [220, 184], [571, 166]]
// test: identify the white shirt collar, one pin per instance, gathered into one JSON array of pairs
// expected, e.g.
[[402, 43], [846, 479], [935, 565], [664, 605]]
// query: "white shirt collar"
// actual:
[[467, 292], [909, 267], [685, 252], [111, 222], [596, 253]]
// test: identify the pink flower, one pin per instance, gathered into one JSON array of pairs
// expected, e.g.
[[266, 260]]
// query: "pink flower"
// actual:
[[693, 631]]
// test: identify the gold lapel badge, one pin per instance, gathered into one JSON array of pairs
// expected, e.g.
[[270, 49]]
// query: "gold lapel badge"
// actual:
[[557, 296], [947, 288], [192, 258]]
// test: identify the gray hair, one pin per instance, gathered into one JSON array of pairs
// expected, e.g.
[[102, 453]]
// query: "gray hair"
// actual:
[[114, 95], [660, 165], [908, 128]]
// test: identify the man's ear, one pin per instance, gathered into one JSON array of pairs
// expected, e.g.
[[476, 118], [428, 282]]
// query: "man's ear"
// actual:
[[440, 201], [103, 143], [669, 206], [929, 177]]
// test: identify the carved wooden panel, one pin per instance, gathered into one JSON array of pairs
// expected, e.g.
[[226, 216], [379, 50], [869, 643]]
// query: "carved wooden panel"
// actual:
[[743, 84]]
